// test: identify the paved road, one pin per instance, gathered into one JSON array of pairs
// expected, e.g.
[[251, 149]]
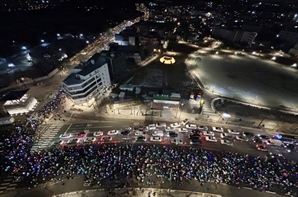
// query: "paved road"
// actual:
[[77, 184]]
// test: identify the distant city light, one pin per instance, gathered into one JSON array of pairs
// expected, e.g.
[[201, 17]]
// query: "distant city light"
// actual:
[[216, 53], [58, 35], [294, 65], [81, 35], [60, 49], [41, 40], [87, 41], [24, 48], [273, 58], [13, 41], [277, 35], [11, 65], [254, 53]]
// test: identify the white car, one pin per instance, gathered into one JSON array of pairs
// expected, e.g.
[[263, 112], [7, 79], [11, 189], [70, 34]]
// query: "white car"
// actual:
[[151, 127], [66, 136], [176, 141], [158, 133], [98, 133], [211, 138], [226, 142], [208, 133], [217, 129], [224, 135], [241, 138], [233, 131], [71, 141], [161, 125], [113, 132], [168, 129], [191, 126], [155, 139], [182, 130], [175, 125], [89, 139], [202, 128], [140, 133], [184, 122]]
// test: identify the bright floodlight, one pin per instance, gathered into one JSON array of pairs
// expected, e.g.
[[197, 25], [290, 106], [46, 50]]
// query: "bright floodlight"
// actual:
[[226, 115], [273, 58], [254, 53], [11, 65], [60, 49], [87, 42], [167, 60], [81, 35], [58, 35], [216, 53], [24, 48], [235, 53], [294, 65], [41, 40]]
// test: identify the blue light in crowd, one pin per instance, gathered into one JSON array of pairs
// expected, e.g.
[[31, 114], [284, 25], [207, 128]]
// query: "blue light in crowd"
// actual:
[[278, 136]]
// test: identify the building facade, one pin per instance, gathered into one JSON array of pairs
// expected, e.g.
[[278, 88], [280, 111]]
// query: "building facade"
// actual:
[[22, 105], [87, 82]]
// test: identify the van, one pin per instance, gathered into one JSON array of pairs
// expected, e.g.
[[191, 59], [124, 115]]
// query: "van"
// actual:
[[158, 133]]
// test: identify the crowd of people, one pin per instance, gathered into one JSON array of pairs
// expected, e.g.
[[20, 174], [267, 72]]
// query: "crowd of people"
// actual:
[[141, 163]]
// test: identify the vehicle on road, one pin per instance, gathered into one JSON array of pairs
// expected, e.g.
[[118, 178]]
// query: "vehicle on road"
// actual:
[[241, 138], [196, 141], [175, 125], [155, 139], [208, 133], [113, 132], [202, 128], [140, 133], [66, 136], [261, 147], [80, 141], [184, 122], [151, 127], [158, 133], [224, 135], [98, 133], [125, 132], [82, 134], [289, 147], [210, 138], [176, 141], [247, 134], [226, 142], [191, 126], [89, 139], [72, 141], [217, 129], [106, 139], [182, 130], [233, 131], [141, 139], [173, 134], [161, 125]]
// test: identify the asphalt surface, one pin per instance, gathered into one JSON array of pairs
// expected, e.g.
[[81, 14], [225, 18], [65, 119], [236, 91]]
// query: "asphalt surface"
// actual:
[[76, 184]]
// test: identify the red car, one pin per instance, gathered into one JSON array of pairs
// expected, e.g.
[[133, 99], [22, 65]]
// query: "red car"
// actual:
[[81, 134]]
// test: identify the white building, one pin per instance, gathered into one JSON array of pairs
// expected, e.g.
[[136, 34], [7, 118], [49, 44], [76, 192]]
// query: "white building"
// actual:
[[20, 104], [88, 81]]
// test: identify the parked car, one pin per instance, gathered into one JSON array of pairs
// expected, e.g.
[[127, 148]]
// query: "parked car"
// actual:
[[233, 131], [191, 126], [202, 128], [173, 134], [175, 125], [155, 139], [176, 141], [113, 132], [141, 139], [66, 136], [211, 138], [217, 129], [81, 134], [261, 147], [226, 142], [106, 138], [151, 127], [161, 125], [182, 130], [98, 133], [89, 139], [158, 133], [241, 138], [140, 133], [125, 132]]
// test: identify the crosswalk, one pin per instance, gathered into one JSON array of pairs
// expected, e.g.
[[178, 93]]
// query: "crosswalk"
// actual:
[[7, 184], [50, 133]]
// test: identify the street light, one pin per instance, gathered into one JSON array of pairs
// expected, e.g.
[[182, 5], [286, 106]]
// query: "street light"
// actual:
[[294, 65], [273, 58], [42, 40]]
